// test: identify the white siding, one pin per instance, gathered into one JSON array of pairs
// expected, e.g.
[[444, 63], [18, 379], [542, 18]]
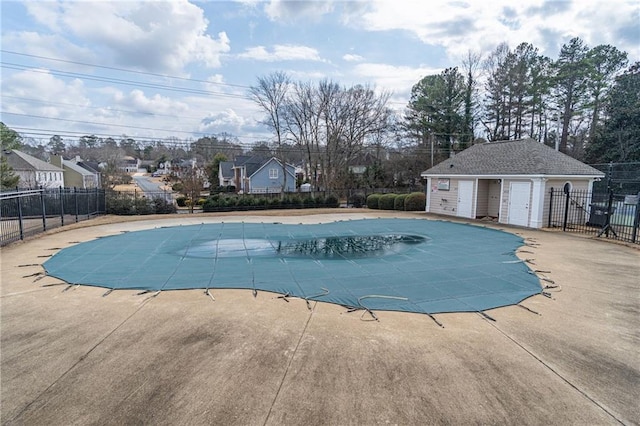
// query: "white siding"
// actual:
[[443, 202]]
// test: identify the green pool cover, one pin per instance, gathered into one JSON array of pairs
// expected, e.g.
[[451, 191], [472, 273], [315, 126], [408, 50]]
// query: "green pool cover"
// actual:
[[409, 265]]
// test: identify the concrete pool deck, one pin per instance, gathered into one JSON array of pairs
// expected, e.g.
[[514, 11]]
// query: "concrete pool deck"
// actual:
[[75, 357]]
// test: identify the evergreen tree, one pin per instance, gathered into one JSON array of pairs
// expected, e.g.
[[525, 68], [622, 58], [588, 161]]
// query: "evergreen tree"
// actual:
[[619, 138], [9, 138], [8, 179], [571, 84]]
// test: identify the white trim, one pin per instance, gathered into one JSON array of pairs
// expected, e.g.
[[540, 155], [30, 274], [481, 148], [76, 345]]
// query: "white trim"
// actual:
[[514, 176], [428, 205], [537, 203], [474, 207], [471, 213], [501, 200], [527, 207]]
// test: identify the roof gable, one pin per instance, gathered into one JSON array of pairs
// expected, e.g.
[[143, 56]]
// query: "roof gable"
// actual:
[[18, 160], [226, 168], [76, 168], [289, 168], [519, 157]]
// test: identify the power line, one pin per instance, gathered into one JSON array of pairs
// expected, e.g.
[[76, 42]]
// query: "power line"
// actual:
[[93, 123], [152, 114], [130, 82], [20, 67], [122, 69], [413, 151]]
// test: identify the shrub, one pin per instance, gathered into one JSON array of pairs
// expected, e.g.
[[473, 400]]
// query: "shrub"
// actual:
[[416, 201], [274, 203], [308, 202], [398, 204], [244, 201], [177, 187], [331, 201], [200, 201], [119, 205], [357, 200], [373, 201], [387, 201], [144, 206], [126, 204], [163, 206], [182, 201], [221, 189], [293, 201]]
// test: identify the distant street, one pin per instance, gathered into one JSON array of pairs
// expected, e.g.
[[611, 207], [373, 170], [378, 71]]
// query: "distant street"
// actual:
[[150, 188]]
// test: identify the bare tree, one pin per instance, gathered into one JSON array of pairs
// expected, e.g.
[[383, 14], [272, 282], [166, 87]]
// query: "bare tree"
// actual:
[[193, 183], [303, 125], [270, 94]]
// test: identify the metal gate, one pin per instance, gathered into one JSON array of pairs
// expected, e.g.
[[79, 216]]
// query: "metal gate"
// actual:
[[602, 214]]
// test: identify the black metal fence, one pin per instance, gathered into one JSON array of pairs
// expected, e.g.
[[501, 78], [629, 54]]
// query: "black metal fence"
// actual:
[[602, 214], [29, 212]]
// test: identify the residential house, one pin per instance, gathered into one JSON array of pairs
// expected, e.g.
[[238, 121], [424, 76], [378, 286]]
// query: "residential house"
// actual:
[[506, 180], [254, 175], [225, 173], [75, 175], [130, 164], [33, 172]]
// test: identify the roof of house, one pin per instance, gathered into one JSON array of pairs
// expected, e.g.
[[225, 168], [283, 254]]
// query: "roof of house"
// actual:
[[226, 168], [20, 161], [77, 168], [92, 166], [519, 157], [290, 169], [250, 163]]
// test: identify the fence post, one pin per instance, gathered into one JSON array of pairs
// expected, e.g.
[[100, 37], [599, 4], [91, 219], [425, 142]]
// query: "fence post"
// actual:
[[20, 224], [75, 193], [550, 207], [44, 213], [566, 212], [61, 207], [636, 220], [607, 221]]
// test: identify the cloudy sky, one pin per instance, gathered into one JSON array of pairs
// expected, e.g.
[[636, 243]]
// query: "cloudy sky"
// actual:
[[158, 69]]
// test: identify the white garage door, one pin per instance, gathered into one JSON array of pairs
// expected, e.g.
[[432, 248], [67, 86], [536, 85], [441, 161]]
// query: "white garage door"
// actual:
[[519, 194]]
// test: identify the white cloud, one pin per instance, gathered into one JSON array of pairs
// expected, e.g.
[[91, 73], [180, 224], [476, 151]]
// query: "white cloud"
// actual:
[[349, 57], [44, 45], [44, 12], [460, 26], [41, 86], [154, 36], [157, 104], [281, 53], [291, 10], [226, 120], [399, 79]]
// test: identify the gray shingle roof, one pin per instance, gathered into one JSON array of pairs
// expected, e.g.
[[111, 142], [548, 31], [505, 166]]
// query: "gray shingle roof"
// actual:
[[19, 161], [519, 157], [227, 169]]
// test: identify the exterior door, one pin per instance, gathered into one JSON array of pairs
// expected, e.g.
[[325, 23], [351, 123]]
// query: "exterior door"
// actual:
[[465, 198], [519, 193]]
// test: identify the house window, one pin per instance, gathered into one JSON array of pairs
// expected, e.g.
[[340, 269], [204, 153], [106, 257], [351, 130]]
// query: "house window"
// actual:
[[273, 173], [567, 187]]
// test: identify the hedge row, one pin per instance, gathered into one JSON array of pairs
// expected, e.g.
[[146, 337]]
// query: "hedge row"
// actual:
[[221, 202], [416, 201], [129, 205]]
